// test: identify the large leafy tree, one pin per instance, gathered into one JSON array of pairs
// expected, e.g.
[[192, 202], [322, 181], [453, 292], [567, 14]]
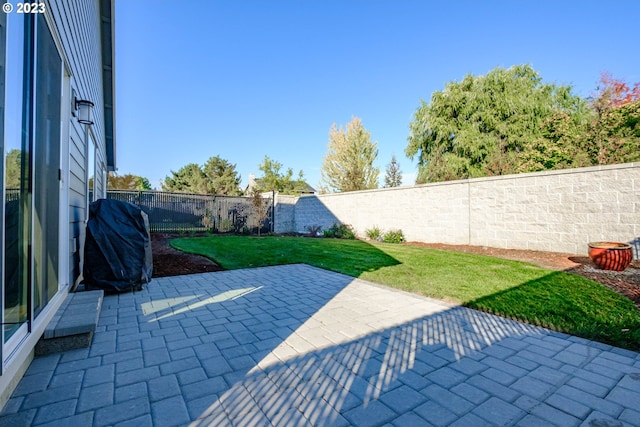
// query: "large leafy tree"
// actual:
[[613, 92], [560, 144], [349, 163], [614, 132], [127, 182], [275, 179], [483, 125], [616, 135], [223, 177]]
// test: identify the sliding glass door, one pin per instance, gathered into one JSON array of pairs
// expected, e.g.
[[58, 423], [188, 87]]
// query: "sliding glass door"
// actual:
[[31, 147]]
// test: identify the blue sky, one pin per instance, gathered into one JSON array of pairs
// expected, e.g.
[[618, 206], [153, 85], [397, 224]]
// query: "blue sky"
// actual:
[[244, 79]]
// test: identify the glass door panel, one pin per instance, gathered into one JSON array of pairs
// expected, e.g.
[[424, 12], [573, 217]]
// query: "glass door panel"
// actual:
[[46, 184], [17, 217]]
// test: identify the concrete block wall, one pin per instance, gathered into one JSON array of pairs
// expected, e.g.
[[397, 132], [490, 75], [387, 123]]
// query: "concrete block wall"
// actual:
[[559, 211], [284, 213], [426, 213]]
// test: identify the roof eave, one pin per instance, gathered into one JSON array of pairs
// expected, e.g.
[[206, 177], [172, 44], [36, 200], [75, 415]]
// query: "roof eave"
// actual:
[[107, 32]]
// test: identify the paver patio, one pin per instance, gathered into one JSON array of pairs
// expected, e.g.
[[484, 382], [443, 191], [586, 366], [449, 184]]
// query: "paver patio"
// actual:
[[297, 345]]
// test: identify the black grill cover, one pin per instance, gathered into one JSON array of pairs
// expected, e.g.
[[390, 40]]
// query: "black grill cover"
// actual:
[[117, 254]]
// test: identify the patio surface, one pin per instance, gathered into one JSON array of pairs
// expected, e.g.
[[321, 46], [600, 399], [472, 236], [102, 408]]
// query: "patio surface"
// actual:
[[297, 345]]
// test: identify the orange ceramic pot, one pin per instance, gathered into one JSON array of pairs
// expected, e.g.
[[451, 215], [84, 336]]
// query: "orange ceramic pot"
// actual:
[[610, 255]]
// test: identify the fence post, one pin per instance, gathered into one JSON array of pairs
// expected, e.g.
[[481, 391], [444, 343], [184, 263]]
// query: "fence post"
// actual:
[[273, 211]]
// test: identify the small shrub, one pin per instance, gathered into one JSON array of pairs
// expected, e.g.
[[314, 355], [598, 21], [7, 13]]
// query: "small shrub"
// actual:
[[373, 233], [393, 236], [226, 225], [314, 230], [207, 220], [340, 231], [239, 214]]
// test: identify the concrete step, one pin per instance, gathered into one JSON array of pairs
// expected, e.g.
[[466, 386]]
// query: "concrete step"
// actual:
[[73, 325]]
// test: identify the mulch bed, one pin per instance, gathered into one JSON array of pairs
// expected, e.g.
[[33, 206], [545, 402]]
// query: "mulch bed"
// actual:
[[168, 261]]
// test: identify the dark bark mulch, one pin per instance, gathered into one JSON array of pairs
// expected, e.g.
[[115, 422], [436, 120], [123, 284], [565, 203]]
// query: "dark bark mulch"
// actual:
[[168, 261]]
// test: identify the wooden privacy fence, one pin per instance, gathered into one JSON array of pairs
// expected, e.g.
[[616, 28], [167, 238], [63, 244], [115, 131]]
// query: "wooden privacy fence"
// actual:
[[185, 212]]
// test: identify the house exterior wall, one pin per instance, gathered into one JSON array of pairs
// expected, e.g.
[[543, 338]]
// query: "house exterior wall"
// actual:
[[558, 211], [80, 30], [78, 25]]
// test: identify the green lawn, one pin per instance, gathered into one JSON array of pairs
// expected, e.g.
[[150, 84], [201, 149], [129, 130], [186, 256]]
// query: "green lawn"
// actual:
[[557, 300]]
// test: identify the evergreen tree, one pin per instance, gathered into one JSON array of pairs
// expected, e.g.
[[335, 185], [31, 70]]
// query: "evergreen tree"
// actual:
[[223, 177], [393, 176], [216, 176], [188, 179]]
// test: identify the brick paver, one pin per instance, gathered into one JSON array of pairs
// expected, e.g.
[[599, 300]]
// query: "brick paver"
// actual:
[[297, 345]]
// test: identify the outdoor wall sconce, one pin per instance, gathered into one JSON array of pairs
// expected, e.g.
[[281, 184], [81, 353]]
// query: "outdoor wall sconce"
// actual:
[[84, 108]]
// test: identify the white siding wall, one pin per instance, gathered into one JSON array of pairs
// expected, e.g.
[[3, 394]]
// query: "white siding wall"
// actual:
[[76, 29], [77, 26]]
